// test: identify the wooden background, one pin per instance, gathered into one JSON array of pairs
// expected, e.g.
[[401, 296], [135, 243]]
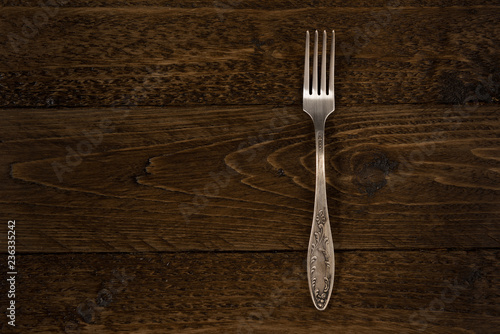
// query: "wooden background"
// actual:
[[160, 169]]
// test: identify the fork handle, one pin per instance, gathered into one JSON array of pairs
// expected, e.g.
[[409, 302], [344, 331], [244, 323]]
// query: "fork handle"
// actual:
[[320, 255]]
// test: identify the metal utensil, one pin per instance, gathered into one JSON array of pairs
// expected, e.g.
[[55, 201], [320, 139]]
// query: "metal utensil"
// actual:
[[319, 102]]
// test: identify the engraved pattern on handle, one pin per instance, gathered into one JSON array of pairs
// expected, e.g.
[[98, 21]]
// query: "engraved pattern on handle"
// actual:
[[320, 255]]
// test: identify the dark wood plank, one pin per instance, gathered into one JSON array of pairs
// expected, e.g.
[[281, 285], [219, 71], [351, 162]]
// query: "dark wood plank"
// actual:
[[91, 53], [229, 5], [375, 292], [242, 178]]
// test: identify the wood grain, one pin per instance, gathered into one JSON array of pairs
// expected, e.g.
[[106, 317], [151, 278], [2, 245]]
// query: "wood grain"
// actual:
[[242, 178], [160, 169], [91, 53], [375, 292]]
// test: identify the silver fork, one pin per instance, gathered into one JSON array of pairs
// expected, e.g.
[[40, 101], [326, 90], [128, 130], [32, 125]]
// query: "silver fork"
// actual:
[[319, 103]]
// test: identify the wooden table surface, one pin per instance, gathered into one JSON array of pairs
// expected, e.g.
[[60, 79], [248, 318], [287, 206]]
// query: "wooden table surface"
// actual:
[[160, 170]]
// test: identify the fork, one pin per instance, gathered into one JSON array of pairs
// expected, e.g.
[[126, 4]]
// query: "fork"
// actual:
[[319, 102]]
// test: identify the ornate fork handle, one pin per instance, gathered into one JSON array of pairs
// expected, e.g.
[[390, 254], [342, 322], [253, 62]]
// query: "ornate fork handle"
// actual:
[[320, 254]]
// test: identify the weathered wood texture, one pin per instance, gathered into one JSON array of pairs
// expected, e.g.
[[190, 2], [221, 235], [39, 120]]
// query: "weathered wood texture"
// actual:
[[159, 53], [375, 292], [242, 178], [160, 169]]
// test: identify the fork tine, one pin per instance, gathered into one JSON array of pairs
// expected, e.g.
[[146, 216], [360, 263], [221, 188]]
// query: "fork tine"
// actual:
[[307, 79], [323, 65], [332, 68], [315, 64]]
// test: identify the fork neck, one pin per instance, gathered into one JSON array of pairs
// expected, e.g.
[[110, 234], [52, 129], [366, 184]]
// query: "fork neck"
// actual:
[[320, 165], [319, 130]]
